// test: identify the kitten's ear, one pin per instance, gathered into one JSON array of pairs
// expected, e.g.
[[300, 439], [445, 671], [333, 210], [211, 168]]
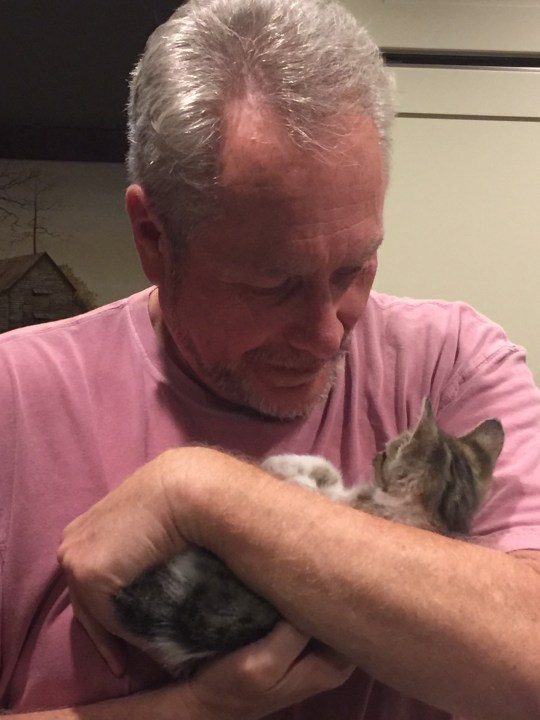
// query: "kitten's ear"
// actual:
[[489, 436], [426, 429]]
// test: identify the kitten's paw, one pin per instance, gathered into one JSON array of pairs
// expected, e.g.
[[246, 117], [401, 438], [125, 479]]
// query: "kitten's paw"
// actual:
[[312, 471]]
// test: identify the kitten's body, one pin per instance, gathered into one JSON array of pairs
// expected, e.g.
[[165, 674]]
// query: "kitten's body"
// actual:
[[193, 607]]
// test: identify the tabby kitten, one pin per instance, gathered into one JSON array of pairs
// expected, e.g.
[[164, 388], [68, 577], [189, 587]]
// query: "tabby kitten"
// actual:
[[193, 607]]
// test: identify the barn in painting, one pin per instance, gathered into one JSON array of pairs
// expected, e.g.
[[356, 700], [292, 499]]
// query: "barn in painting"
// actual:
[[33, 289]]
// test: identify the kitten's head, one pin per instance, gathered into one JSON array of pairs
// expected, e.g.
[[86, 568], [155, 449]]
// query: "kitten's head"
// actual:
[[447, 477]]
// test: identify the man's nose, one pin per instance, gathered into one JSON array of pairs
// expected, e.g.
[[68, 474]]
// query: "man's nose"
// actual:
[[316, 327]]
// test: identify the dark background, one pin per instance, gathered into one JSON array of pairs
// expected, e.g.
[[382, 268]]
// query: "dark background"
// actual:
[[64, 68], [65, 64]]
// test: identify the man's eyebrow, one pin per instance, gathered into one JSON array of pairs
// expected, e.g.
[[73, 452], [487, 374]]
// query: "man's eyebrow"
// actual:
[[372, 247], [237, 272]]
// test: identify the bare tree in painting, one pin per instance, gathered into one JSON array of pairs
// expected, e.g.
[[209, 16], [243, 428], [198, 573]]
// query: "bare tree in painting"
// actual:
[[11, 206], [23, 215], [22, 207]]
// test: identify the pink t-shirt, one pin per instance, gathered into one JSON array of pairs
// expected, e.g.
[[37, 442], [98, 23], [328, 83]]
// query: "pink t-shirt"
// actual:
[[86, 401]]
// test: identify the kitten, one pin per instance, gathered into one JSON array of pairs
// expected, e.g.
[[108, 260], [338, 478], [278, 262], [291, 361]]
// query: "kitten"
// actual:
[[193, 607]]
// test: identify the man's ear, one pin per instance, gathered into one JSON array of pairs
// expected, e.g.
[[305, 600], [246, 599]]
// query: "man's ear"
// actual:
[[148, 234]]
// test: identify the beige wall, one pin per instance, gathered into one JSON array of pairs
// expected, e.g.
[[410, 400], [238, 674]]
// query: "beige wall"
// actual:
[[463, 208], [486, 25], [463, 219]]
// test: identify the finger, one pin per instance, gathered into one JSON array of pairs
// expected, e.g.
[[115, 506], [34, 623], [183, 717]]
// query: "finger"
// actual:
[[284, 642], [270, 658], [284, 638], [111, 648], [330, 656], [322, 669]]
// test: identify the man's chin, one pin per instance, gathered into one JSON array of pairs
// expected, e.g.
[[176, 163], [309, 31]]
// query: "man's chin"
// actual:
[[287, 397]]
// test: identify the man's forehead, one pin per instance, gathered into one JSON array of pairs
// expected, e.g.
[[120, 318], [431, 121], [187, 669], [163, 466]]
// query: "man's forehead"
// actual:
[[257, 153]]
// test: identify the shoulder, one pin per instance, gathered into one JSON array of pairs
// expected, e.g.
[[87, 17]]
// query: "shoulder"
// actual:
[[411, 349], [48, 360], [471, 371], [404, 315], [48, 341], [453, 332]]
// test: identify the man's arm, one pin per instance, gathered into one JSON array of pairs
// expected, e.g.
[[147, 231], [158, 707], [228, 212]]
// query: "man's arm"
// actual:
[[454, 625], [136, 707], [273, 673]]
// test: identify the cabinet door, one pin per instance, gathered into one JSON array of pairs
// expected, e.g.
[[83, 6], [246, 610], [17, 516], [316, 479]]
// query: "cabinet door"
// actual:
[[462, 216], [475, 25]]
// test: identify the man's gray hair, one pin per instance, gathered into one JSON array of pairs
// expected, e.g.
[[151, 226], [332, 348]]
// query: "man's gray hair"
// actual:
[[307, 60]]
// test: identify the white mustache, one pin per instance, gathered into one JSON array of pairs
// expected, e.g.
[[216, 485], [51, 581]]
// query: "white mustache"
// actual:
[[288, 360]]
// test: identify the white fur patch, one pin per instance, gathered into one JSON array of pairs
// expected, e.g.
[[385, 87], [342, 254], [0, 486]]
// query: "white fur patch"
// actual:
[[184, 573], [312, 471]]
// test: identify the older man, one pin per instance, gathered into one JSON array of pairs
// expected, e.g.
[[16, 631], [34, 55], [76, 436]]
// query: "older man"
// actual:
[[259, 146]]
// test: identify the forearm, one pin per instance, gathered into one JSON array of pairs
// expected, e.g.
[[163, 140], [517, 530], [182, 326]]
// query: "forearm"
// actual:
[[452, 624], [175, 702], [158, 704]]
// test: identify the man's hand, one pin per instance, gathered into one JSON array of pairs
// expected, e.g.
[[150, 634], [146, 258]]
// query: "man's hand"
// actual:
[[102, 550], [273, 673], [146, 520], [134, 527]]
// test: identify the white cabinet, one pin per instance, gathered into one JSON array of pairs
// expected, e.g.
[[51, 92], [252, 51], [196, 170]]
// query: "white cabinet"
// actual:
[[478, 25], [463, 209]]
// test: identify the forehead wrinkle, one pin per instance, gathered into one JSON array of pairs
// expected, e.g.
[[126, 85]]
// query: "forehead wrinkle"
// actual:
[[289, 205], [291, 209], [284, 230], [298, 263]]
